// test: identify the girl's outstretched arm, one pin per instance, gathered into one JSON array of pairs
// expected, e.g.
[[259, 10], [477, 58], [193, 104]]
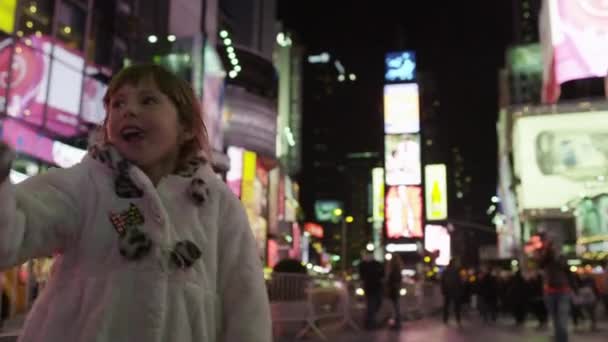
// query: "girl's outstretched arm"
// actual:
[[39, 216]]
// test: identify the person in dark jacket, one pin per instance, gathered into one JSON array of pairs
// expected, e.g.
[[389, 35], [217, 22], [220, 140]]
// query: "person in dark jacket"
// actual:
[[518, 295], [488, 296], [537, 303], [452, 290], [371, 273], [393, 286], [558, 288]]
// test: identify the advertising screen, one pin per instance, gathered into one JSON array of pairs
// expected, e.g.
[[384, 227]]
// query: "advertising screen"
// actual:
[[324, 209], [577, 35], [437, 238], [401, 108], [378, 194], [235, 173], [402, 158], [27, 140], [251, 121], [566, 154], [404, 212], [46, 84], [7, 15], [592, 220], [436, 192], [400, 66]]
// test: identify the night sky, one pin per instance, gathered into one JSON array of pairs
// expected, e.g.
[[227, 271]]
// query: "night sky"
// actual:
[[462, 43]]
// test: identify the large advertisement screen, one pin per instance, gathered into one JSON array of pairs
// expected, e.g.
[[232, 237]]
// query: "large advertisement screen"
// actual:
[[578, 37], [324, 209], [402, 158], [401, 108], [45, 86], [378, 194], [592, 220], [437, 238], [404, 212], [400, 66], [234, 176], [436, 191], [560, 158]]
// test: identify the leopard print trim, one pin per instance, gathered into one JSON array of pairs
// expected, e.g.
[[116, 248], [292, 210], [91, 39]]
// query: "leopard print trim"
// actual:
[[126, 188]]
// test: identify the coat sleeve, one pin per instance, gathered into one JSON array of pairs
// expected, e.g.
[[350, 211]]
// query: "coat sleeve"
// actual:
[[37, 216], [245, 305]]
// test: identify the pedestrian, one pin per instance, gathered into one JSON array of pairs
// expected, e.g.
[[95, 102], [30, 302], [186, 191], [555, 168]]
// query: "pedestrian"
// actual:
[[153, 246], [488, 296], [518, 295], [537, 303], [393, 285], [587, 295], [452, 289], [558, 285], [371, 273]]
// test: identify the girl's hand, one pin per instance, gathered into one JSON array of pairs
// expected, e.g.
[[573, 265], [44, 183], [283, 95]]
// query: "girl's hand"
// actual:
[[6, 160]]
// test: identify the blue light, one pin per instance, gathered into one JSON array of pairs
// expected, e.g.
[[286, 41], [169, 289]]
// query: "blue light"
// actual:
[[400, 66]]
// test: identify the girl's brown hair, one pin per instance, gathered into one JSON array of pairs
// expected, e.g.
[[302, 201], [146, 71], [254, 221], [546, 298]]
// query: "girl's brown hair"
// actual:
[[179, 92]]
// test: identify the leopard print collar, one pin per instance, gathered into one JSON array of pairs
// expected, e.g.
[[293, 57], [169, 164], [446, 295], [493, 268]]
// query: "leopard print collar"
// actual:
[[125, 187]]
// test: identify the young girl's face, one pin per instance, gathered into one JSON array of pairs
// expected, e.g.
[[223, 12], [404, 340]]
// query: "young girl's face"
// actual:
[[143, 125]]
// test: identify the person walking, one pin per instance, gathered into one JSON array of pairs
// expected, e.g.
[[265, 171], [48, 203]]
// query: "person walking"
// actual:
[[452, 290], [488, 296], [393, 286], [557, 289], [371, 273]]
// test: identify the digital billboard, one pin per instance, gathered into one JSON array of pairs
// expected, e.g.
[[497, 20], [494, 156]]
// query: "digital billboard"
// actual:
[[234, 176], [25, 139], [436, 192], [437, 238], [7, 15], [46, 84], [560, 157], [402, 159], [400, 66], [324, 210], [378, 194], [574, 35], [592, 220], [401, 108], [404, 212]]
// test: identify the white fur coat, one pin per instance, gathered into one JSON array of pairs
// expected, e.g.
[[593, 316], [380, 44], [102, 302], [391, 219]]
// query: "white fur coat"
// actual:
[[96, 294]]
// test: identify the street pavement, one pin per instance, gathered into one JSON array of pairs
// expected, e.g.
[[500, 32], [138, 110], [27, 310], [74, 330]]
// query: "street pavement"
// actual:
[[433, 330]]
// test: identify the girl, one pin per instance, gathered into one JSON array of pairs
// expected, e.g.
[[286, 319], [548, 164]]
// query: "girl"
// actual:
[[151, 245]]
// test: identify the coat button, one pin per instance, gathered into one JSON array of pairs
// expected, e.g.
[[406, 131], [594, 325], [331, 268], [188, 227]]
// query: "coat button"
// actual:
[[158, 218]]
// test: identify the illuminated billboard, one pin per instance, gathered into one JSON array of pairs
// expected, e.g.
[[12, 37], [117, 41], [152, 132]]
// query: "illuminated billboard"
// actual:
[[404, 212], [27, 140], [324, 210], [574, 38], [46, 86], [401, 108], [402, 158], [234, 175], [378, 194], [437, 238], [400, 66], [7, 15], [436, 192], [560, 157], [592, 220]]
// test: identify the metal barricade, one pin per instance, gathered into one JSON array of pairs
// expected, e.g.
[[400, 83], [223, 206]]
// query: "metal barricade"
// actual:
[[308, 299]]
